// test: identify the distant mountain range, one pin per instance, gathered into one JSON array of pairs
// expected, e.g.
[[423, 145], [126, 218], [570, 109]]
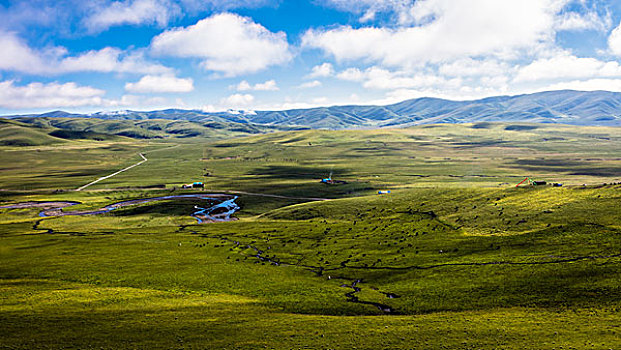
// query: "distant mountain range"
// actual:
[[565, 107]]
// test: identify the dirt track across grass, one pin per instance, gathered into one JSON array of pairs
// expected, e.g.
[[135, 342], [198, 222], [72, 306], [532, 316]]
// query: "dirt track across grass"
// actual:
[[144, 159]]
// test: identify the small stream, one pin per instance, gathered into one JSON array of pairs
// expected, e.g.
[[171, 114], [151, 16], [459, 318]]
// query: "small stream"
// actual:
[[317, 270], [213, 213], [219, 212], [352, 297]]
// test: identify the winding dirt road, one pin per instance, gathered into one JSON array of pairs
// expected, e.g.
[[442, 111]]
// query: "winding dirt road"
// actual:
[[144, 159]]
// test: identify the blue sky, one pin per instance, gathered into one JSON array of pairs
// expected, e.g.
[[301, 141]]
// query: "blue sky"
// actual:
[[87, 56]]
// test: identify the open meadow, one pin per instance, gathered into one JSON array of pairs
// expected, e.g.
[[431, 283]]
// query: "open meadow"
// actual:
[[455, 256]]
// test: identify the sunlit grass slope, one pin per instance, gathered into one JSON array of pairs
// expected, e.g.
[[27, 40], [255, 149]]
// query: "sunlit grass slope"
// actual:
[[509, 268]]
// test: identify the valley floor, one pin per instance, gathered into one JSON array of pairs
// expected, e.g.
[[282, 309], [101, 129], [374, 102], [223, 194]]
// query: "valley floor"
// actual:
[[464, 262]]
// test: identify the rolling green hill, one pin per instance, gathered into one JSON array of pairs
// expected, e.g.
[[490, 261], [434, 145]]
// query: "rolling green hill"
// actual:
[[13, 133], [586, 108], [150, 129]]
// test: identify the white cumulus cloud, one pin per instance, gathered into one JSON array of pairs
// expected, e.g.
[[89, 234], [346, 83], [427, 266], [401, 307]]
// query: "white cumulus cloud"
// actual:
[[226, 43], [379, 78], [614, 41], [56, 95], [109, 60], [567, 66], [446, 30], [321, 71], [587, 85], [237, 101], [160, 83], [51, 95], [310, 84], [20, 57], [132, 12], [269, 85], [470, 49], [468, 67]]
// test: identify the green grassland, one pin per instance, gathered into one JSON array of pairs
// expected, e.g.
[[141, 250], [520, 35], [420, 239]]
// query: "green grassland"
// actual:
[[455, 257], [292, 162]]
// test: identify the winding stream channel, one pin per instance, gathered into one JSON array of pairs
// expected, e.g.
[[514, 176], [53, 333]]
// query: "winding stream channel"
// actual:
[[219, 212], [317, 270], [223, 209]]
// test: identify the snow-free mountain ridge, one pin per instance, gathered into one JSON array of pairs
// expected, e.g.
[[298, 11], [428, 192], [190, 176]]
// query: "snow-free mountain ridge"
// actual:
[[565, 107]]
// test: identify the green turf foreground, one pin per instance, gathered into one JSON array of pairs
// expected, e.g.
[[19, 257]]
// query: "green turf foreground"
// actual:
[[458, 268]]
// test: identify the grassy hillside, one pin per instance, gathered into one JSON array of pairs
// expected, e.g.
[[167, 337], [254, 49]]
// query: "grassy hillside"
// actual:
[[14, 133], [17, 133], [455, 257], [150, 129]]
